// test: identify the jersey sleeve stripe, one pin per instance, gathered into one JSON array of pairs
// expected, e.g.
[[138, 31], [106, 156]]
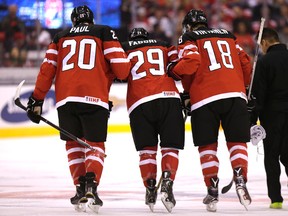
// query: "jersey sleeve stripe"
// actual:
[[239, 47], [173, 52], [50, 62], [113, 49], [52, 51], [119, 60]]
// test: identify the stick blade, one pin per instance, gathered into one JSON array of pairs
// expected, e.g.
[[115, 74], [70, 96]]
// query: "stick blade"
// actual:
[[17, 96], [227, 187]]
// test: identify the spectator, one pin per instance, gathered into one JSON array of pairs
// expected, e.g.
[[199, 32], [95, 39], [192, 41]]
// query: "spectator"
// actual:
[[15, 49], [243, 31], [159, 17], [38, 38]]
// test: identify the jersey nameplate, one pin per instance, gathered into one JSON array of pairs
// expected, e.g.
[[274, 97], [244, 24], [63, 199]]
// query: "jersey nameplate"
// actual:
[[79, 29]]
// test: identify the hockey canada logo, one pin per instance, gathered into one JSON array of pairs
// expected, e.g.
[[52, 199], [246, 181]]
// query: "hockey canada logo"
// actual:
[[13, 114]]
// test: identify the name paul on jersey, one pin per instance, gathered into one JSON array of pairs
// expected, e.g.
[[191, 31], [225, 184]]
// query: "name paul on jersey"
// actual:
[[79, 29]]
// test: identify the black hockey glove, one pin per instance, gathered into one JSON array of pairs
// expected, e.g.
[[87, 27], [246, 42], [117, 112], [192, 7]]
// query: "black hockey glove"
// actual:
[[251, 107], [120, 81], [110, 104], [170, 72], [185, 102], [34, 109]]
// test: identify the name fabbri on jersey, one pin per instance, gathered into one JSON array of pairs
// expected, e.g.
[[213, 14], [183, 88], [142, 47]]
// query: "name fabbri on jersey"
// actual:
[[133, 43], [79, 29]]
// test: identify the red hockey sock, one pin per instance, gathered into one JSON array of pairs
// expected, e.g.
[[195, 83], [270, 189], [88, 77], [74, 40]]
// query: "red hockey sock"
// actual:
[[239, 156], [76, 160], [209, 162], [170, 161], [94, 160], [148, 163]]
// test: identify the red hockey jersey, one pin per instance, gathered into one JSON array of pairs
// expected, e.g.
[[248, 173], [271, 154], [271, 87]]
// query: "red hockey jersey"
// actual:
[[148, 79], [83, 60], [217, 67]]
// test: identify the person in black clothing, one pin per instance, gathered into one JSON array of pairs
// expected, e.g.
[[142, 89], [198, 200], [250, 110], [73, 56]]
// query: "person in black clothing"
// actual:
[[271, 91]]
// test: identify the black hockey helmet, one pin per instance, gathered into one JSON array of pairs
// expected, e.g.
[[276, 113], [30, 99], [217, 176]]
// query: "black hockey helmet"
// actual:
[[137, 33], [194, 17], [82, 14]]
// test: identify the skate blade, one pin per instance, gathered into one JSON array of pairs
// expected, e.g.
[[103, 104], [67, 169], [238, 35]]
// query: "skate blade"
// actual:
[[151, 207], [81, 207], [168, 205], [94, 207], [212, 207], [244, 197]]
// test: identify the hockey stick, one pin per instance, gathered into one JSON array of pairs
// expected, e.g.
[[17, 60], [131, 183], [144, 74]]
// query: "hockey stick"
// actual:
[[66, 133], [159, 183], [256, 56], [226, 188]]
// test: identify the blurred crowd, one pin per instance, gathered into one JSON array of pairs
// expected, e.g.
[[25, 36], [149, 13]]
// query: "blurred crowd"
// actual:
[[163, 18], [21, 46]]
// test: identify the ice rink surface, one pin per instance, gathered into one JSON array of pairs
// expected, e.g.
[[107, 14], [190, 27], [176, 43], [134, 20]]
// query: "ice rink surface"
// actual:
[[35, 181]]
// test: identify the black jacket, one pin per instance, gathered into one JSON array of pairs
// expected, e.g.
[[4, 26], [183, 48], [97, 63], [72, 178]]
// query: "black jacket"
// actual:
[[270, 85]]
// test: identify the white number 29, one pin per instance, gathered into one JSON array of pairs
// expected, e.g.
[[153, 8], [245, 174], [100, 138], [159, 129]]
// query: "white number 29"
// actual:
[[136, 74]]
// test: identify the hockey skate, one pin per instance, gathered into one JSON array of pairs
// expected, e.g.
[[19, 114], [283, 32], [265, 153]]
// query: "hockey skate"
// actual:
[[167, 196], [241, 188], [211, 198], [94, 202], [151, 194], [79, 200]]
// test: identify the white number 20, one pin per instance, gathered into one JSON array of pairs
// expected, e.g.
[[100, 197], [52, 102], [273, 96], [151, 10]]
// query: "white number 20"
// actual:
[[81, 54]]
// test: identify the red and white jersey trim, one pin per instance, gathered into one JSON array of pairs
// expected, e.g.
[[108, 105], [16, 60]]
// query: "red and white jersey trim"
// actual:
[[218, 97], [164, 94], [86, 99]]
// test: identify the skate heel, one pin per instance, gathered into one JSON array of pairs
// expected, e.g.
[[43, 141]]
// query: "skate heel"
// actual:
[[211, 198], [151, 194], [241, 189], [167, 196], [79, 200], [94, 202]]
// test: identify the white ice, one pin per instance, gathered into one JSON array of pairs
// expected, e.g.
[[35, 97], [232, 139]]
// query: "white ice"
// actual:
[[35, 180]]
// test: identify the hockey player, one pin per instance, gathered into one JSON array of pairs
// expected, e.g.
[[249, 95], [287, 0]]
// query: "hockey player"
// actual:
[[154, 108], [215, 70], [271, 91], [83, 59]]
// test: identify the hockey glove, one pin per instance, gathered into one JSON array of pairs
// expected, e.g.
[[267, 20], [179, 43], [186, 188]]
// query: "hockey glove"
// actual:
[[171, 73], [34, 109], [251, 107], [185, 102], [110, 104], [257, 133]]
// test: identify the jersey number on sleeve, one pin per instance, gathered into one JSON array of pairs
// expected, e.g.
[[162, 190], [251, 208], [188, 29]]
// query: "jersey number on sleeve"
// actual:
[[83, 49], [157, 71], [225, 53]]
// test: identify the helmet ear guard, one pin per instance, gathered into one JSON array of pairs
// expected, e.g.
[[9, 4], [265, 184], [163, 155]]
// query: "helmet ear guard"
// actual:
[[82, 14], [137, 33]]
